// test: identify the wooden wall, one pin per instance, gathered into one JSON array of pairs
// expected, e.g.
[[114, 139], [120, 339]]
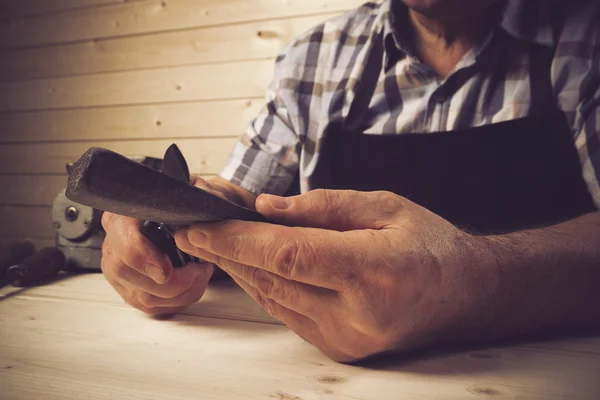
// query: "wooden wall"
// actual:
[[132, 76]]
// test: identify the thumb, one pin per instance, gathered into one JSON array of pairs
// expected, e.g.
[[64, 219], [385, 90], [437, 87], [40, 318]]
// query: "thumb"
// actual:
[[340, 210]]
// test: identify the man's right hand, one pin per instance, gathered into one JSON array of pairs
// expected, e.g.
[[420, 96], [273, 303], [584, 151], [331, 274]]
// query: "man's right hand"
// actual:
[[143, 275]]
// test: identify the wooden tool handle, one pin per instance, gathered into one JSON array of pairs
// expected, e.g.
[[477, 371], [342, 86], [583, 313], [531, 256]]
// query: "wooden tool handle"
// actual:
[[107, 181]]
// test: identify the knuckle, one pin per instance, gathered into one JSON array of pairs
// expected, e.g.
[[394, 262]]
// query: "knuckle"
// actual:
[[287, 260], [265, 284], [351, 279], [388, 202], [336, 352], [135, 258], [201, 183], [355, 353], [176, 287], [388, 199], [107, 220], [148, 300], [323, 200], [145, 310], [135, 240], [351, 284], [214, 259], [117, 269], [319, 196], [107, 248], [269, 306]]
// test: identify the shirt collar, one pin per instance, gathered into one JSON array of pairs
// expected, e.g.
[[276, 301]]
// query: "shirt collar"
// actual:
[[526, 20]]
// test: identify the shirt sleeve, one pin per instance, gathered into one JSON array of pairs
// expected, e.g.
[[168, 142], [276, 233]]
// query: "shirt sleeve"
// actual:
[[587, 89], [266, 158]]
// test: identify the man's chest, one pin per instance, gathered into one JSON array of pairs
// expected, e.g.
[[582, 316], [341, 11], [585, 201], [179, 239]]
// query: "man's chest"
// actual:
[[410, 97]]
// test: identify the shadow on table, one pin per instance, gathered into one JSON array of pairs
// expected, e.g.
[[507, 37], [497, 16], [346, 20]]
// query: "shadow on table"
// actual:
[[226, 306], [12, 291], [576, 350]]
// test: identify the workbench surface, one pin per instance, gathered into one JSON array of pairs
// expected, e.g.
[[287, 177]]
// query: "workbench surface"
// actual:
[[76, 339]]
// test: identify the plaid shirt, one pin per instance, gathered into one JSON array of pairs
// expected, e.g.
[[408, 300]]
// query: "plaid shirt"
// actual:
[[316, 76]]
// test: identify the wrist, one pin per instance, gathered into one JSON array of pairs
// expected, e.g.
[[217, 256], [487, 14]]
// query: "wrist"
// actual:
[[480, 294]]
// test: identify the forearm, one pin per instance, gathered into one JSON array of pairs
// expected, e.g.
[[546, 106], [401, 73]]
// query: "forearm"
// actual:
[[541, 279]]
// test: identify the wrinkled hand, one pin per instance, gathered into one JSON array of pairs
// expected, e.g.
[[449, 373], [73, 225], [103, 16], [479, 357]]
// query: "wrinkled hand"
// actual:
[[142, 274], [360, 274]]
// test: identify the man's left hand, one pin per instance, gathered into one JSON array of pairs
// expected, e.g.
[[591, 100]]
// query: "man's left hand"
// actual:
[[353, 273]]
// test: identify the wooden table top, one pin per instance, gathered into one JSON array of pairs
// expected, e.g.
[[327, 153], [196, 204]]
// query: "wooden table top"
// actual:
[[76, 339]]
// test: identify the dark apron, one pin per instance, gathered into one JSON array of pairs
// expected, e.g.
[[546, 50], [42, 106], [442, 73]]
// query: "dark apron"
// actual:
[[497, 178]]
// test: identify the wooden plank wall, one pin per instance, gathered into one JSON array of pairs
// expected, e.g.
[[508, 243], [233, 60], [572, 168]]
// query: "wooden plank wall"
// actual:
[[132, 76]]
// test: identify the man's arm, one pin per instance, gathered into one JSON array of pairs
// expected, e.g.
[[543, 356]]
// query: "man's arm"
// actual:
[[359, 273], [541, 279], [550, 277]]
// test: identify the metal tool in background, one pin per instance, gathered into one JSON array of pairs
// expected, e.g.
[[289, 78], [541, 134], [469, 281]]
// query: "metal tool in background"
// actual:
[[79, 232], [14, 253], [22, 266], [79, 235]]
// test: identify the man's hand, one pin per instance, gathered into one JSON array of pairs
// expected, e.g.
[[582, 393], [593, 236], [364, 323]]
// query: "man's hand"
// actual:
[[360, 274], [142, 274]]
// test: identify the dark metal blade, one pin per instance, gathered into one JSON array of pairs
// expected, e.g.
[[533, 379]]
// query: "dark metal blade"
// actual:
[[174, 164]]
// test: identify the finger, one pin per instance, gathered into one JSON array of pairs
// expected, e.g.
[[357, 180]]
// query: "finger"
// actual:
[[340, 210], [156, 305], [314, 302], [195, 180], [125, 292], [209, 187], [303, 326], [316, 257], [125, 241], [181, 280]]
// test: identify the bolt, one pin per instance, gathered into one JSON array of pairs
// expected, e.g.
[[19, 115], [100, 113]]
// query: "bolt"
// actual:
[[71, 213]]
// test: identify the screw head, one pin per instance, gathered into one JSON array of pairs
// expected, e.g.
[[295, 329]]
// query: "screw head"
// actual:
[[71, 213]]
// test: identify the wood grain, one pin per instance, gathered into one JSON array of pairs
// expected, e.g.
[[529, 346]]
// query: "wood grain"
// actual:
[[40, 243], [31, 190], [26, 207], [26, 221], [35, 190], [244, 79], [159, 121], [204, 156], [134, 18], [248, 41], [21, 8], [77, 340], [222, 300]]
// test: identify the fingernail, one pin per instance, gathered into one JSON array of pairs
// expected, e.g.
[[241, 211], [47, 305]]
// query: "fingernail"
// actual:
[[156, 273], [278, 203], [197, 238]]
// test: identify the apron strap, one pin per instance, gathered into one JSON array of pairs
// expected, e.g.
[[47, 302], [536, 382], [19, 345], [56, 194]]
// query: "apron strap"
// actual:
[[365, 89], [540, 80], [540, 68]]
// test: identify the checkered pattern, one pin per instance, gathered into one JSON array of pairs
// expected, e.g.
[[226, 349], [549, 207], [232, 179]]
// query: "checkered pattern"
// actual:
[[317, 74]]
